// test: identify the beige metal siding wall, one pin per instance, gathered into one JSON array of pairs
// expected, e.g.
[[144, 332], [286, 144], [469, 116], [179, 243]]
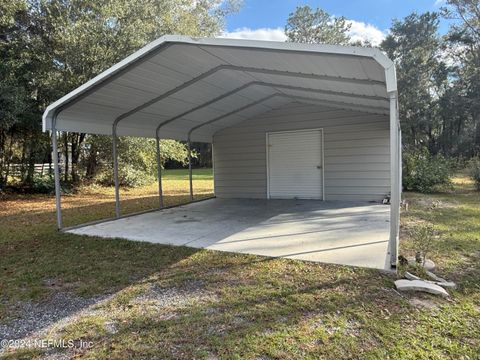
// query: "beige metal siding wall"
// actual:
[[357, 162]]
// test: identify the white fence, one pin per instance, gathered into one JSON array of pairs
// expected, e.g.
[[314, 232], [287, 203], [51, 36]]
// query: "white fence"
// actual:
[[15, 170]]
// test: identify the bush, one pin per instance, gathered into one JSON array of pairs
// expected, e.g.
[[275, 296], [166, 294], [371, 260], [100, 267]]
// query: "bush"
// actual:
[[128, 176], [43, 184], [474, 166], [425, 173]]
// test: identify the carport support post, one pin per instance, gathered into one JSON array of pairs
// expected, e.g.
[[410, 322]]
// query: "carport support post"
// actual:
[[56, 172], [115, 169], [213, 168], [159, 170], [190, 167], [394, 179]]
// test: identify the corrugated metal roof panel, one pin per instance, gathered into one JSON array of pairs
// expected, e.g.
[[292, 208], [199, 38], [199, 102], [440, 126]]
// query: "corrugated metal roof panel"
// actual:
[[187, 82]]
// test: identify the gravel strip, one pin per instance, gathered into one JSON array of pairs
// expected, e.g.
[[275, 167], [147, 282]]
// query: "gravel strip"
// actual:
[[35, 317]]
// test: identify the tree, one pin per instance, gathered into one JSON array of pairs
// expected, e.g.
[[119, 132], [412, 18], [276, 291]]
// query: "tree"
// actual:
[[137, 156], [464, 50], [316, 26], [20, 136], [468, 12], [414, 45], [50, 47]]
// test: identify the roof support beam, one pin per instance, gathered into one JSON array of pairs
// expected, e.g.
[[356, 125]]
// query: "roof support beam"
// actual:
[[218, 98], [276, 86], [305, 75], [324, 92], [218, 118], [341, 104], [232, 112], [279, 86], [244, 69]]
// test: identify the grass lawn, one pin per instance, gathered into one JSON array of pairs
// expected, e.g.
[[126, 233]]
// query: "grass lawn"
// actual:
[[182, 174], [161, 302]]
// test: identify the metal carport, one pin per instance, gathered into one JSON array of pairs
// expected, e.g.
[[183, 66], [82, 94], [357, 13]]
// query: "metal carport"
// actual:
[[189, 89]]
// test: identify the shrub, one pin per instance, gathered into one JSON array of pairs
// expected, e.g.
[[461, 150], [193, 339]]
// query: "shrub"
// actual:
[[425, 173], [423, 237], [474, 166], [43, 184], [128, 176]]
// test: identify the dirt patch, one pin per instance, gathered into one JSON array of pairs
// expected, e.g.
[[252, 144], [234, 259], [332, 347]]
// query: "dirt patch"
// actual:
[[424, 303], [174, 297], [433, 203]]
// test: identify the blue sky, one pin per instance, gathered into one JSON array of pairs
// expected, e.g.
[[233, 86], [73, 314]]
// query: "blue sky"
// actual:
[[264, 19]]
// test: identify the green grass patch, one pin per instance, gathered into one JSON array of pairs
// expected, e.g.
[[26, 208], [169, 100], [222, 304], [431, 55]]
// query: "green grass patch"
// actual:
[[183, 174]]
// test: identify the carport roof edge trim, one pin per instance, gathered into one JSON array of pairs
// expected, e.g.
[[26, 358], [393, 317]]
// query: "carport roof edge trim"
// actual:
[[376, 54]]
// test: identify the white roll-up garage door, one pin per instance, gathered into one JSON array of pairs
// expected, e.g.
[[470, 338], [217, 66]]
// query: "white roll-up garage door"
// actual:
[[295, 164]]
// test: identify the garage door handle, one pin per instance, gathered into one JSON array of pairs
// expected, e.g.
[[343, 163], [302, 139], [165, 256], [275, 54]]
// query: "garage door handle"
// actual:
[[319, 166]]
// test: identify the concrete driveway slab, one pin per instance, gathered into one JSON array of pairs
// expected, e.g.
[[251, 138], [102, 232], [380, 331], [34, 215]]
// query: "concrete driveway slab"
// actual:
[[340, 232]]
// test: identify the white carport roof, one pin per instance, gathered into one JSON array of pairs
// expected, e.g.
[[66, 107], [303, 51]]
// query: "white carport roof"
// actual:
[[178, 83]]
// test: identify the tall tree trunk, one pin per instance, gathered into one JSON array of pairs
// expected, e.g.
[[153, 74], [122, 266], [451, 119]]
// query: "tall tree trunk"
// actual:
[[92, 161], [476, 119], [77, 140], [31, 161], [22, 162], [49, 157], [73, 155], [9, 160], [3, 156]]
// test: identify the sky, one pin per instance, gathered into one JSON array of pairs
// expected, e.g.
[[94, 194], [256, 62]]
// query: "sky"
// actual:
[[370, 19]]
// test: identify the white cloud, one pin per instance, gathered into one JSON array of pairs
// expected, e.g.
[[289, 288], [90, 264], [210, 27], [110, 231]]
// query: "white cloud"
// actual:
[[360, 31], [271, 34], [439, 3]]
